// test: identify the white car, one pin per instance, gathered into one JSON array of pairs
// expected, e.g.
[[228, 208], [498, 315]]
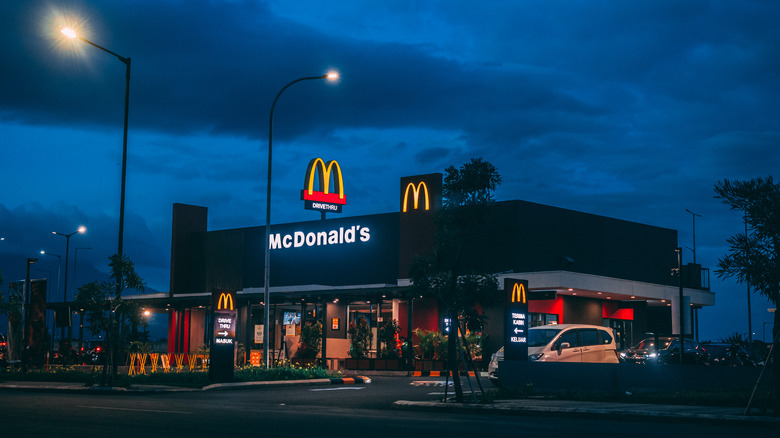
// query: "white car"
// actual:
[[565, 343]]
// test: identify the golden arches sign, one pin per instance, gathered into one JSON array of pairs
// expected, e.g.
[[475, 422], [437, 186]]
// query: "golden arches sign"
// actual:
[[518, 293], [324, 180], [421, 187], [225, 301]]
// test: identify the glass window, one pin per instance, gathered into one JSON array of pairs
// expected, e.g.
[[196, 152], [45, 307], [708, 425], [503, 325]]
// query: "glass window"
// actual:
[[539, 337], [605, 337], [589, 337], [570, 337]]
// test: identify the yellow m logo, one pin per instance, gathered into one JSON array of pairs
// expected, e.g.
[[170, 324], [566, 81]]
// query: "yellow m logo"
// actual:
[[324, 180], [416, 190], [518, 293], [225, 301]]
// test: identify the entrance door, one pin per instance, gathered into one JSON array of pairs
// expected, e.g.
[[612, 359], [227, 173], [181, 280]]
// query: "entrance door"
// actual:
[[623, 330]]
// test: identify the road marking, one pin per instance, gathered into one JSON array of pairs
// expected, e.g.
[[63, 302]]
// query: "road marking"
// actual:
[[344, 388], [135, 410], [430, 383]]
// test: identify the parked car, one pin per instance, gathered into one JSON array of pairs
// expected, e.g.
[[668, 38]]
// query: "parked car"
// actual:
[[693, 353], [564, 343], [646, 350], [93, 353], [572, 343], [728, 355], [497, 357], [3, 351]]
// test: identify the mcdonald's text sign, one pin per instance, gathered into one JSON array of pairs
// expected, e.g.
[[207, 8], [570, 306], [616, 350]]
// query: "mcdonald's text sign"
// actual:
[[516, 319], [328, 198]]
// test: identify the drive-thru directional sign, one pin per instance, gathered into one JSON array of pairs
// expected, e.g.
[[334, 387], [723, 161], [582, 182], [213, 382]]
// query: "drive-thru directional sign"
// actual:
[[516, 319], [222, 353]]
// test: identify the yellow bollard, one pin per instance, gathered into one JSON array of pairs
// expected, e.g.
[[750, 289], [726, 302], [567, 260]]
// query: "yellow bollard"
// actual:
[[166, 362], [131, 368], [179, 359], [153, 357], [192, 360], [142, 363]]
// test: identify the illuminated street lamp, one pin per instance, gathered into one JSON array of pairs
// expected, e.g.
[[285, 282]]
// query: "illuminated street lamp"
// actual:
[[70, 33], [266, 293], [59, 267], [81, 230], [26, 293], [81, 311]]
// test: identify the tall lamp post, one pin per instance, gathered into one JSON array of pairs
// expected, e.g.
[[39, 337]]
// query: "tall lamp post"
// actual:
[[59, 268], [82, 229], [266, 292], [694, 215], [81, 311], [26, 315], [70, 33], [59, 272]]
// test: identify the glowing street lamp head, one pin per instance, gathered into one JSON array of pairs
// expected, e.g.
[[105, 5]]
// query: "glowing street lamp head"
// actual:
[[68, 32], [332, 76], [82, 229]]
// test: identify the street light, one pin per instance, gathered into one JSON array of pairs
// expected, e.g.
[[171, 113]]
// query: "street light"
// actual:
[[59, 267], [81, 230], [70, 33], [26, 314], [81, 311], [266, 293]]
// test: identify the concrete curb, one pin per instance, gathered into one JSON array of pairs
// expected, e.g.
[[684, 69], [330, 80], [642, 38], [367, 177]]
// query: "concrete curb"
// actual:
[[282, 383], [640, 412], [139, 389]]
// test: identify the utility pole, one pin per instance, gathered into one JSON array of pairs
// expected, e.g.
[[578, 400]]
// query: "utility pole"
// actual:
[[747, 281], [694, 216]]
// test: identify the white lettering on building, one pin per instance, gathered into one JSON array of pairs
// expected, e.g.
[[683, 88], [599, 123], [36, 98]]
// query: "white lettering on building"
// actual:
[[338, 236]]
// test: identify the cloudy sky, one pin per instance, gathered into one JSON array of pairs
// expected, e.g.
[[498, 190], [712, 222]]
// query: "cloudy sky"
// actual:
[[628, 109]]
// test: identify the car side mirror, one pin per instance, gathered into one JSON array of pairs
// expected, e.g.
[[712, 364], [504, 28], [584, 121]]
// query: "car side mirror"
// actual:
[[564, 345]]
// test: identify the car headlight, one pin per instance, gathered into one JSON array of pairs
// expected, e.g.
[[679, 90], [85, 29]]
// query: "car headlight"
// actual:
[[536, 356], [623, 355], [652, 355]]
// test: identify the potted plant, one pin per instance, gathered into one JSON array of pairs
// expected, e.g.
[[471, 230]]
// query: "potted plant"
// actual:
[[360, 338], [309, 343], [391, 345]]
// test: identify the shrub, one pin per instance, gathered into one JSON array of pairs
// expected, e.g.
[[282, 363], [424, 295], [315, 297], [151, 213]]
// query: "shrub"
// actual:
[[311, 340], [388, 336], [360, 338]]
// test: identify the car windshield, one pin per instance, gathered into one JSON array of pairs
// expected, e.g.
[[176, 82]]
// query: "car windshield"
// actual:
[[539, 337], [649, 344]]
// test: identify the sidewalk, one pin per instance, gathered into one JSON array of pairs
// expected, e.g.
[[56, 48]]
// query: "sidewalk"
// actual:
[[624, 411]]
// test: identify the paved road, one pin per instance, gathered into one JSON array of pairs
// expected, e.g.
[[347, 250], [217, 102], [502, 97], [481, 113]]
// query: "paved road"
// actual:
[[326, 410]]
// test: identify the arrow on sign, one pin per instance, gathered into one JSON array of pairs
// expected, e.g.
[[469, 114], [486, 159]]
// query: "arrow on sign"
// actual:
[[225, 333], [517, 330]]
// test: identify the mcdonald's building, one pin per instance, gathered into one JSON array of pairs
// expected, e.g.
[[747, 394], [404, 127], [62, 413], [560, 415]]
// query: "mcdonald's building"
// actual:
[[579, 268]]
